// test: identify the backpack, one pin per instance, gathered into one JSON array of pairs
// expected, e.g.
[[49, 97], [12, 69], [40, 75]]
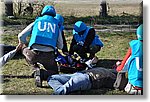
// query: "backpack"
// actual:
[[121, 81]]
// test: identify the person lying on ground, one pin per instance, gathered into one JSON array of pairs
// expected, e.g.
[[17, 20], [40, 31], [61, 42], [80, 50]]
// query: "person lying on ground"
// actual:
[[5, 58], [94, 78]]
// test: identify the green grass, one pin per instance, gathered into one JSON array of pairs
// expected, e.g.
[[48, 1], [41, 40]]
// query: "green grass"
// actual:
[[115, 45], [17, 72]]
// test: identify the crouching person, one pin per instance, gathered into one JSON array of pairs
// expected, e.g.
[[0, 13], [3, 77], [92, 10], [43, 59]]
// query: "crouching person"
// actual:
[[88, 79], [133, 64], [45, 38], [84, 41]]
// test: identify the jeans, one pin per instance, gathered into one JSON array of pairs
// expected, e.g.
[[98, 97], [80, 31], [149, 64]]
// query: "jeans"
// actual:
[[65, 83]]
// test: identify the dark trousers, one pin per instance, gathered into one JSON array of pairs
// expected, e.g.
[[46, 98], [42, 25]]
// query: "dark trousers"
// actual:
[[47, 59], [82, 52]]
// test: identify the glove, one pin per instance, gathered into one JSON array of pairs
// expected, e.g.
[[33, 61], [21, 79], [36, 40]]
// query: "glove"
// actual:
[[80, 43]]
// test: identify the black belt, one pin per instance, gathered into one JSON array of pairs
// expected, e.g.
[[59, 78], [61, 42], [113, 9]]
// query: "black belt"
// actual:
[[37, 52]]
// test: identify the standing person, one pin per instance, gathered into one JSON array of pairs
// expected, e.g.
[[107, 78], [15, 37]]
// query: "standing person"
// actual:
[[45, 37], [84, 41], [61, 27], [94, 78], [133, 64]]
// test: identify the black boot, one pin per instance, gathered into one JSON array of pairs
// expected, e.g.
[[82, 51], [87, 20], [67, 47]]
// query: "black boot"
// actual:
[[44, 74]]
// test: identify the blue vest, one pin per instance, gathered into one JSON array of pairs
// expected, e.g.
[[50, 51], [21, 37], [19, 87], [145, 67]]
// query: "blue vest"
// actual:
[[135, 64], [45, 31], [82, 38], [61, 28]]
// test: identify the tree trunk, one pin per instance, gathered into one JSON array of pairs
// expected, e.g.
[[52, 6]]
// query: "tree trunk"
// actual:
[[9, 8], [19, 8], [141, 13], [103, 10]]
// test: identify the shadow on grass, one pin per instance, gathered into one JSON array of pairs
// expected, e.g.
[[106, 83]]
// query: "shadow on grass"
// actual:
[[101, 91], [5, 78], [106, 63]]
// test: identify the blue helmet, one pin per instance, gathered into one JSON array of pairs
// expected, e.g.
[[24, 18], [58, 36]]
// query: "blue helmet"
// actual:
[[49, 10], [60, 19], [139, 32], [79, 26]]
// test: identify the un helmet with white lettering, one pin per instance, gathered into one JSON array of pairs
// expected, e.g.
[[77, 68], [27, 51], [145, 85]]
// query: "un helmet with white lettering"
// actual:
[[49, 10], [79, 26], [139, 32]]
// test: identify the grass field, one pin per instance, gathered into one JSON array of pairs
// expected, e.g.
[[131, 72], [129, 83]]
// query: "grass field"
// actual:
[[17, 72]]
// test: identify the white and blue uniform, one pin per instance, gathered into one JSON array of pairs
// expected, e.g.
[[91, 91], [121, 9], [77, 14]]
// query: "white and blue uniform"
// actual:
[[135, 64], [45, 38], [79, 38], [45, 31]]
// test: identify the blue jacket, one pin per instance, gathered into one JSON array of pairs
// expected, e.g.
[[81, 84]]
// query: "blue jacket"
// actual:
[[45, 31], [135, 64], [82, 38]]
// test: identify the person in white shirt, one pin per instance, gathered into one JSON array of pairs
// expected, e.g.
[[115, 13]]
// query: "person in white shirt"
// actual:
[[45, 39]]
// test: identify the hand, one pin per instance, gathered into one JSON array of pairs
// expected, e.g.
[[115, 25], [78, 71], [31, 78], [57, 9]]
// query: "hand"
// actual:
[[118, 63], [80, 43], [19, 46]]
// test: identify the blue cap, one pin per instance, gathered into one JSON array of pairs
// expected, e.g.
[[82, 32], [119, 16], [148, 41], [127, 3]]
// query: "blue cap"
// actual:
[[50, 10], [79, 26], [139, 32]]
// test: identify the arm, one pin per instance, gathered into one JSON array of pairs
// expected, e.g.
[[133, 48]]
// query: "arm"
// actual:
[[7, 57], [65, 49], [90, 37], [73, 42], [26, 32], [120, 67], [4, 59], [60, 41]]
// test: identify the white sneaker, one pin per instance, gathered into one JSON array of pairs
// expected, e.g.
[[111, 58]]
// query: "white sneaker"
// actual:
[[130, 90]]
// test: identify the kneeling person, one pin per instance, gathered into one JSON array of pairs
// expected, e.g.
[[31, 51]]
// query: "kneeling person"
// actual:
[[84, 41]]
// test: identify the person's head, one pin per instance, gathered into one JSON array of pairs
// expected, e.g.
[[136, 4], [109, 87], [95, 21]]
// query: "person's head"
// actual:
[[49, 10], [139, 32], [60, 19], [79, 27]]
